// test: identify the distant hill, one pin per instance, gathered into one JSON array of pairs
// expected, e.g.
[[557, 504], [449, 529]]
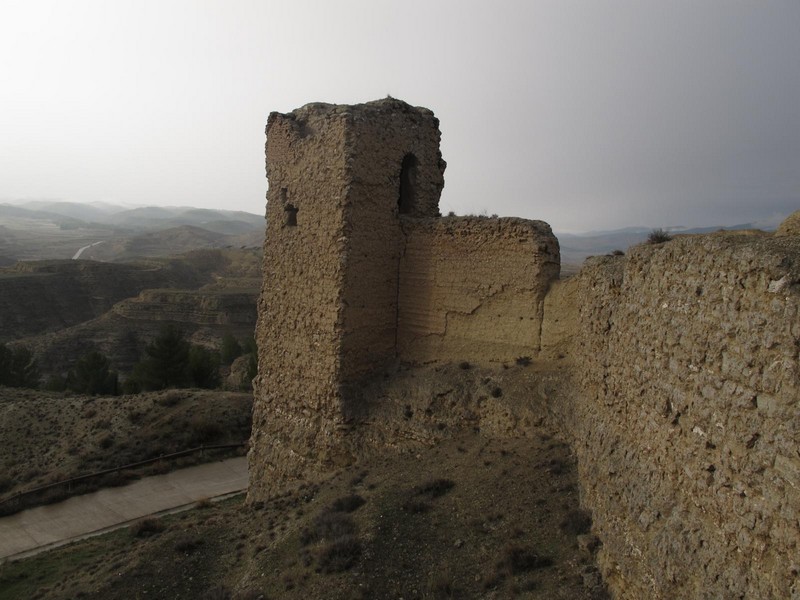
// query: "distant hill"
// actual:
[[15, 214], [170, 242], [38, 296], [140, 218], [151, 217], [62, 309], [43, 229], [75, 210], [576, 247]]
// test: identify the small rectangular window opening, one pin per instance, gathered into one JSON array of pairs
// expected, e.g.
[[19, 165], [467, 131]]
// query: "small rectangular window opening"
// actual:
[[291, 215], [290, 210]]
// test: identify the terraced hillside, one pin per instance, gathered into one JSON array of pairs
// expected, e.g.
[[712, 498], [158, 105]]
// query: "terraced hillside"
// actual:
[[63, 309]]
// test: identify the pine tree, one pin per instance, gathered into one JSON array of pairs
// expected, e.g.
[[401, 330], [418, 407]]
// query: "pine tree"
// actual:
[[167, 362], [230, 349], [203, 367], [18, 367], [92, 375]]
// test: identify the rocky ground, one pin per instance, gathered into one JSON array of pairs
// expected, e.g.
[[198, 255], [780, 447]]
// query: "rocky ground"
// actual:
[[469, 518]]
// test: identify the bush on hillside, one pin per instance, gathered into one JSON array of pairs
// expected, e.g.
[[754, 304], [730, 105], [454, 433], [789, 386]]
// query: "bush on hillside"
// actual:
[[230, 349], [172, 362], [92, 375], [203, 367], [658, 236], [18, 367]]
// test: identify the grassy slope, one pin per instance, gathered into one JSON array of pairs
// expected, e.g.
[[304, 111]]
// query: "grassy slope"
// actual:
[[507, 528], [49, 437]]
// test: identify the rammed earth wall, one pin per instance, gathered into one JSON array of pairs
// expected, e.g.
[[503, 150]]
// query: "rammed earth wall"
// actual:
[[353, 203], [473, 288], [687, 429], [673, 370]]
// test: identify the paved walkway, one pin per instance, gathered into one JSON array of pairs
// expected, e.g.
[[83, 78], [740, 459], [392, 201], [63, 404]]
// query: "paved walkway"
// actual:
[[49, 526]]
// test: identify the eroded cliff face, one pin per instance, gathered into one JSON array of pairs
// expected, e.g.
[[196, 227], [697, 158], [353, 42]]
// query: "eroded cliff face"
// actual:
[[122, 333], [42, 296], [683, 412]]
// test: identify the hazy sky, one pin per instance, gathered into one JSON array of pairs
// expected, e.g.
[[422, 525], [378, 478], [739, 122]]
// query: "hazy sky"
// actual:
[[587, 114]]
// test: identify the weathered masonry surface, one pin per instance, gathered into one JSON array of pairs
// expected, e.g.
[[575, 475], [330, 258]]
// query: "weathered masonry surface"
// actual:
[[674, 370], [360, 272], [683, 411]]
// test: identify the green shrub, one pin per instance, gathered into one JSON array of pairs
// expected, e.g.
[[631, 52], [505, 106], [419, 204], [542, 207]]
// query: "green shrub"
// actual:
[[416, 507], [188, 543], [348, 504], [167, 361], [339, 555], [92, 376], [249, 346], [658, 236], [170, 398], [56, 383], [230, 349], [203, 430], [18, 368], [328, 525], [106, 441], [203, 367], [252, 368], [132, 385], [434, 488], [171, 361], [419, 500]]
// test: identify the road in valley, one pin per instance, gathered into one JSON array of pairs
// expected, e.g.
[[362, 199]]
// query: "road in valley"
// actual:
[[79, 252]]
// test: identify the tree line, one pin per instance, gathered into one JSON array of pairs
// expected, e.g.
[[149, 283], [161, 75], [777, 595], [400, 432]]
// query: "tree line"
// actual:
[[169, 361], [18, 367]]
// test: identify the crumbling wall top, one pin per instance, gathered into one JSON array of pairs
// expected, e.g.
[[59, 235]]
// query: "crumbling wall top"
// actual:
[[325, 109]]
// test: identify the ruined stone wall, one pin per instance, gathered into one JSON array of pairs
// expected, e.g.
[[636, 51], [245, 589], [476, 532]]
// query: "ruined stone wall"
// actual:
[[687, 426], [473, 288], [379, 137], [359, 270], [673, 370], [339, 178], [295, 412]]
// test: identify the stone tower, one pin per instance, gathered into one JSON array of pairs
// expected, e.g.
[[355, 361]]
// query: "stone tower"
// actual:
[[339, 179]]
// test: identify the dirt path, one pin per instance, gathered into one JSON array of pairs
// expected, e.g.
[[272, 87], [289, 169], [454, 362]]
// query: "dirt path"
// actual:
[[45, 527]]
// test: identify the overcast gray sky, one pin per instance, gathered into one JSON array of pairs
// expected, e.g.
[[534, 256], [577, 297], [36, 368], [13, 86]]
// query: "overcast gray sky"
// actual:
[[588, 114]]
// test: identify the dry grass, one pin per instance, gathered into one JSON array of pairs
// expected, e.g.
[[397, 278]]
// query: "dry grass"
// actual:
[[490, 531], [48, 437]]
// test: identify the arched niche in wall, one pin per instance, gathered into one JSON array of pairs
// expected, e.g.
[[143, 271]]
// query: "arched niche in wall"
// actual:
[[407, 201]]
